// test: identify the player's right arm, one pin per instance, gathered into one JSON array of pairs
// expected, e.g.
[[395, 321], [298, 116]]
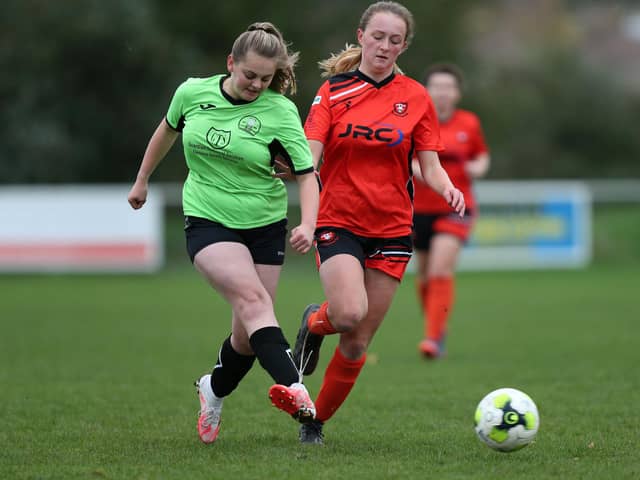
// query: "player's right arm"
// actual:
[[161, 142]]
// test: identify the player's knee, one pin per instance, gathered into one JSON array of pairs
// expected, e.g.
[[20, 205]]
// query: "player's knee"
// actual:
[[251, 304], [346, 317]]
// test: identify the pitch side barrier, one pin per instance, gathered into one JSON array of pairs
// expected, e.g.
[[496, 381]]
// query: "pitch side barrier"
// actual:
[[80, 228], [73, 228], [530, 225], [524, 224]]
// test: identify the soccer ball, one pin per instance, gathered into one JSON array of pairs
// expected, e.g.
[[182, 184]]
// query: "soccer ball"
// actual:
[[507, 419]]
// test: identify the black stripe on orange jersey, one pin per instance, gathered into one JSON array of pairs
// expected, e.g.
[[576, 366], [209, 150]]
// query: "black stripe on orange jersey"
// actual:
[[342, 77], [410, 188], [335, 88]]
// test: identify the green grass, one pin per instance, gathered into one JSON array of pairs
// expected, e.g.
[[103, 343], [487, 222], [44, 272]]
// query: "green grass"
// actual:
[[616, 234], [96, 382], [96, 378]]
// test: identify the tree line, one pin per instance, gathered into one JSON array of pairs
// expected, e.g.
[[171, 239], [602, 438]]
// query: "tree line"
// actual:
[[85, 83]]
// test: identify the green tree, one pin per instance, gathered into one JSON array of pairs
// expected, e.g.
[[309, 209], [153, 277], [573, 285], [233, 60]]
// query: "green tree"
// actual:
[[85, 81], [554, 117]]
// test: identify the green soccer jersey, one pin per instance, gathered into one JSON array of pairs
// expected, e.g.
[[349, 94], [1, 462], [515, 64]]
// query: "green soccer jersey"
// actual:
[[230, 146]]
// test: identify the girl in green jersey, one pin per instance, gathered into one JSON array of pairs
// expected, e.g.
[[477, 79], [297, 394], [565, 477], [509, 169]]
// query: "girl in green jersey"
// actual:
[[235, 127]]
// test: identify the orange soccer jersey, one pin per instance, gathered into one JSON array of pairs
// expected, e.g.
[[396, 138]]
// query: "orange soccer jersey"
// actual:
[[370, 131], [463, 141]]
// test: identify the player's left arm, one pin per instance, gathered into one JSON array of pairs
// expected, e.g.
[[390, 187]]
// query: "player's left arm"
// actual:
[[437, 178], [302, 235], [295, 158]]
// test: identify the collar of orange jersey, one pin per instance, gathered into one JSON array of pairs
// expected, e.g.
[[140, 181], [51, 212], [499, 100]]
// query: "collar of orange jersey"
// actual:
[[357, 73]]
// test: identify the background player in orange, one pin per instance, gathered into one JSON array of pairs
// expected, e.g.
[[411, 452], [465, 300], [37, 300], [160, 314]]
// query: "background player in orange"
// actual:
[[365, 123], [439, 235]]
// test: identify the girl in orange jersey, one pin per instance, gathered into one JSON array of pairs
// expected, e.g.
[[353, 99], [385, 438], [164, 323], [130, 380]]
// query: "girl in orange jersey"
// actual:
[[366, 122], [438, 235]]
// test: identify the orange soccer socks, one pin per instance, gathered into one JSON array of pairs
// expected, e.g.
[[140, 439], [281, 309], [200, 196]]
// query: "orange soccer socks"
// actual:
[[438, 301], [339, 378], [319, 323]]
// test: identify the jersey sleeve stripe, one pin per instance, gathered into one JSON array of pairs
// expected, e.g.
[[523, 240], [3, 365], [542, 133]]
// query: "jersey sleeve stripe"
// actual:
[[177, 128], [305, 171], [348, 92], [346, 84], [346, 99], [277, 149]]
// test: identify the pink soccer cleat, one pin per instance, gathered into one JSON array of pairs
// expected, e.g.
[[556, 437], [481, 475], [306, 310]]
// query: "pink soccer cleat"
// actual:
[[210, 410], [294, 400]]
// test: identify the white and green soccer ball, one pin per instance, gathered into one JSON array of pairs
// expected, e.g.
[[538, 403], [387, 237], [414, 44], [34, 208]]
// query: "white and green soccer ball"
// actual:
[[507, 419]]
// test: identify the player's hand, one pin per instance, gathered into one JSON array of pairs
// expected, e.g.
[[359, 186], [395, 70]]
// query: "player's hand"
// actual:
[[282, 169], [138, 194], [455, 199], [301, 238]]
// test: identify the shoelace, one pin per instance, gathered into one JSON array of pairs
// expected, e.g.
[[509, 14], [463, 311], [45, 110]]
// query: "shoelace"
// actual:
[[303, 362]]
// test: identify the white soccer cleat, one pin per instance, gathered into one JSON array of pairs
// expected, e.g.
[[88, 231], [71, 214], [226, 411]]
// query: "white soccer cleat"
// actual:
[[210, 410]]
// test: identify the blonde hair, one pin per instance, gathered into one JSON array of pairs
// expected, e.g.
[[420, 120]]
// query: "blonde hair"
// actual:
[[345, 61], [264, 39], [349, 58]]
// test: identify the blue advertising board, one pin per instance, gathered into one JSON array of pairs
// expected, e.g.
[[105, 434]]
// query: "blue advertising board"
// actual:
[[525, 225]]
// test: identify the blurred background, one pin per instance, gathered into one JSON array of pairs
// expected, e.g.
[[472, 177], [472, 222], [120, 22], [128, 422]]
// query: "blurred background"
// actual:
[[555, 83]]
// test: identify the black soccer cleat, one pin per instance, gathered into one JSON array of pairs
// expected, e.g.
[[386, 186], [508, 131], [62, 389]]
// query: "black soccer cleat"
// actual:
[[306, 352], [311, 433]]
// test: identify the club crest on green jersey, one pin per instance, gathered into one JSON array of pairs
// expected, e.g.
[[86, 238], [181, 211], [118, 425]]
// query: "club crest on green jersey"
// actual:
[[250, 124], [218, 138]]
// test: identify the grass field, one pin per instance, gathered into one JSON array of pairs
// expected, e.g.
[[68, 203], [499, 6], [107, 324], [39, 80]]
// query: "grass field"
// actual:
[[96, 379]]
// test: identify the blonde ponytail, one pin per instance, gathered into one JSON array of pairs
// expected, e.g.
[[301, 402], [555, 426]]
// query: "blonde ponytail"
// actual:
[[345, 61]]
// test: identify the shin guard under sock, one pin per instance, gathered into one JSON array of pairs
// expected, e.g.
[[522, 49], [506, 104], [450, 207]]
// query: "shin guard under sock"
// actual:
[[339, 378], [230, 368], [274, 354]]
